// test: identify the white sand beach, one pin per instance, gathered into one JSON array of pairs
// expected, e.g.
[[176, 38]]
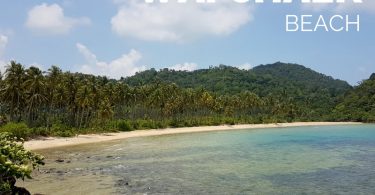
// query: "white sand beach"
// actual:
[[53, 142]]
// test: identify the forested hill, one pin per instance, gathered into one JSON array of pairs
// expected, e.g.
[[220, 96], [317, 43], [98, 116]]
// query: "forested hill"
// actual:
[[64, 103], [262, 80], [359, 104]]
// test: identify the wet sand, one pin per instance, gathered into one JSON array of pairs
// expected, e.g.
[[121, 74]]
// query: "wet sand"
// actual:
[[53, 142]]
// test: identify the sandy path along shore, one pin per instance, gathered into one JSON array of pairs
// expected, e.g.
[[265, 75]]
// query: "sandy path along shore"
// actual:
[[53, 142]]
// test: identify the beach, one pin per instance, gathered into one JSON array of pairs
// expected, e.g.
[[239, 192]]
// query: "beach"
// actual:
[[53, 142]]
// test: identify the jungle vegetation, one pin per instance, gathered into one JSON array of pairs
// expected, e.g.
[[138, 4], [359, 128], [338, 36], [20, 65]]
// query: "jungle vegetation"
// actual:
[[59, 103], [359, 103]]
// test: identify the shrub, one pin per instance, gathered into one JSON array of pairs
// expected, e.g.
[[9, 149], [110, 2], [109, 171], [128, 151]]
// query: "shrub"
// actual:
[[65, 133], [215, 121], [124, 125], [40, 131], [229, 121], [19, 130], [135, 125], [15, 163], [161, 124], [62, 130], [144, 124], [175, 123]]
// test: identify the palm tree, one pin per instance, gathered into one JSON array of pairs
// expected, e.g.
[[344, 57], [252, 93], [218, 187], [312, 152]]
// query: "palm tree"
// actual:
[[71, 88], [83, 101], [34, 86], [13, 92], [105, 110], [53, 83], [249, 101]]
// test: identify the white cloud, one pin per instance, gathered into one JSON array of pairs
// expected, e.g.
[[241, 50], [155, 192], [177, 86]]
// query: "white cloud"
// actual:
[[367, 5], [246, 66], [316, 7], [187, 66], [349, 6], [126, 65], [37, 65], [2, 66], [3, 44], [50, 19], [179, 22], [8, 32]]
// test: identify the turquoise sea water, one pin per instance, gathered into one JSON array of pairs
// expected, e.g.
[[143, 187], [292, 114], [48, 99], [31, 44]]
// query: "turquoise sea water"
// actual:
[[300, 160]]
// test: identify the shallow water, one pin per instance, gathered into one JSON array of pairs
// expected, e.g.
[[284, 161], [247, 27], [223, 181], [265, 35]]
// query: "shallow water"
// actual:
[[299, 160]]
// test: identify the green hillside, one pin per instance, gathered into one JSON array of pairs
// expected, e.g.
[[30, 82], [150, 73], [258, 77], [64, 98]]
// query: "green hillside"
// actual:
[[359, 104], [290, 82], [262, 80], [33, 102]]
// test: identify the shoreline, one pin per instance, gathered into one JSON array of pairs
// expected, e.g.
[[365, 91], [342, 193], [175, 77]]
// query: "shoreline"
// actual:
[[55, 142]]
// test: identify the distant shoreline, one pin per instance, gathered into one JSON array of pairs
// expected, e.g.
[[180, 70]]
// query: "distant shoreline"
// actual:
[[54, 142]]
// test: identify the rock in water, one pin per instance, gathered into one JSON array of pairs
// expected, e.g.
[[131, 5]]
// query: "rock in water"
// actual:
[[60, 160], [20, 191]]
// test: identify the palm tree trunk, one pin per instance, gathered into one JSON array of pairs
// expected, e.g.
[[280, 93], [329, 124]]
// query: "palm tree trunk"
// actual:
[[81, 120]]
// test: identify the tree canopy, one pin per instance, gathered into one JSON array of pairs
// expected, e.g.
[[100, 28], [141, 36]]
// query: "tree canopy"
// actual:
[[359, 104], [33, 102]]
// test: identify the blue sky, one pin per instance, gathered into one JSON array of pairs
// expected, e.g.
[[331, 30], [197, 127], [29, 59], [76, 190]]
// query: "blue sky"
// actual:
[[119, 37]]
